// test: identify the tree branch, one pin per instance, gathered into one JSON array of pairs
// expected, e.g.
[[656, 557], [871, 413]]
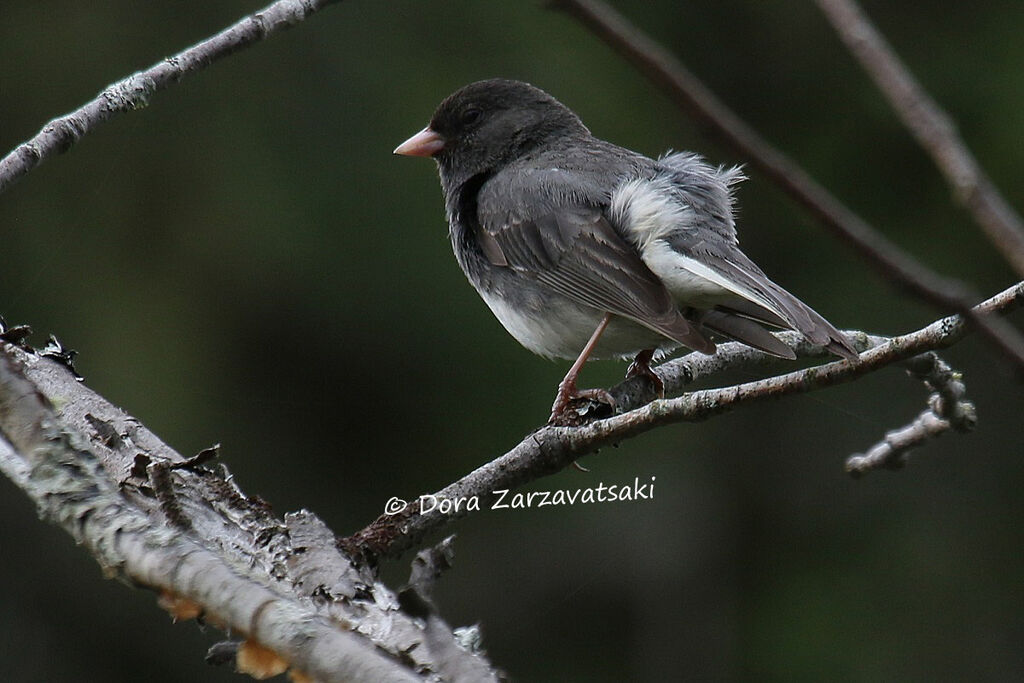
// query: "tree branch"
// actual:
[[207, 549], [892, 451], [933, 128], [695, 99], [551, 449], [133, 92], [947, 410]]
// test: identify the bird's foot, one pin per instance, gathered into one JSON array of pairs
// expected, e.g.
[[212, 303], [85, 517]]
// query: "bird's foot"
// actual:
[[641, 367], [574, 407]]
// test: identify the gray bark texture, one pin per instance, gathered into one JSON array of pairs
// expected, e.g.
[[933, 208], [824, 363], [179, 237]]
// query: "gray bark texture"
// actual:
[[185, 530]]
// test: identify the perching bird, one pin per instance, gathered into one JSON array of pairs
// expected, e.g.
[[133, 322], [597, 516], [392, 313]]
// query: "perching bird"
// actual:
[[585, 249]]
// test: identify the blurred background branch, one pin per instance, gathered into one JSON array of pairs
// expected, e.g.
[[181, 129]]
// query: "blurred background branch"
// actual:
[[932, 127]]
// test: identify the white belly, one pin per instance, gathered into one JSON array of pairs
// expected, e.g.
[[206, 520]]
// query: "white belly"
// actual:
[[561, 330]]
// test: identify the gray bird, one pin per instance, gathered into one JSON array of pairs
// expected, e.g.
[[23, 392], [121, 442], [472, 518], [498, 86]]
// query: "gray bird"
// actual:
[[583, 249]]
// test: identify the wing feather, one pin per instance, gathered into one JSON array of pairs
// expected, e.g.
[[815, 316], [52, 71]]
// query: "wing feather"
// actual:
[[577, 253]]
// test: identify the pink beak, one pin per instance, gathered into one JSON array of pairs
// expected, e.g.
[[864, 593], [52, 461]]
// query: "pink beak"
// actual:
[[426, 143]]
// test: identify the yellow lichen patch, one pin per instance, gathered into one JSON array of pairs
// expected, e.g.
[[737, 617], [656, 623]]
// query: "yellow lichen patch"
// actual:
[[179, 607], [258, 661]]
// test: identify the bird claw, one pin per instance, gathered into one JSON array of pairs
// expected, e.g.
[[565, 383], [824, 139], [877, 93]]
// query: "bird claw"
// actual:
[[574, 407], [641, 367]]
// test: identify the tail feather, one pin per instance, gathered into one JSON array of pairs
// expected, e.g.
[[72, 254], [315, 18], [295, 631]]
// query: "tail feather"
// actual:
[[824, 333], [796, 315], [683, 331], [747, 331], [843, 347], [756, 296], [749, 309]]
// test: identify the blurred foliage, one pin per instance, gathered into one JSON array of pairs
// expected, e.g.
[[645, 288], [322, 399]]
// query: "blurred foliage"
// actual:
[[244, 262]]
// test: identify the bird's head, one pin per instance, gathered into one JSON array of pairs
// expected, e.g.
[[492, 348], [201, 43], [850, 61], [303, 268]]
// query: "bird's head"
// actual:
[[488, 124]]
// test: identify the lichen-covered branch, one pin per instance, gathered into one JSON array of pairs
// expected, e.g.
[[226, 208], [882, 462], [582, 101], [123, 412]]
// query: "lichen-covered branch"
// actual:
[[932, 127], [134, 92], [550, 449], [191, 535]]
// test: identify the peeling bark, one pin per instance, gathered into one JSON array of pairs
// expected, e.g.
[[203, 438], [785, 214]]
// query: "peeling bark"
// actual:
[[186, 530]]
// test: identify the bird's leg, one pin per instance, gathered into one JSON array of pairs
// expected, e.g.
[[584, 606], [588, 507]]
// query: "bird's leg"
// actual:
[[567, 390], [641, 367]]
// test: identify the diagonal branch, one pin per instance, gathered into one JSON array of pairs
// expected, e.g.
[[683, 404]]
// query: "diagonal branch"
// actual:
[[933, 128], [693, 97], [133, 92], [551, 449]]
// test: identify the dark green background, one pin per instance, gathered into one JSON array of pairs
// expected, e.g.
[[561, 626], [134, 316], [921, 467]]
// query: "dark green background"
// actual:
[[244, 262]]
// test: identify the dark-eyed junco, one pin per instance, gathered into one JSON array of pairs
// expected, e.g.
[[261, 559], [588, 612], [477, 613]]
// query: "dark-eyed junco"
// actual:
[[585, 249]]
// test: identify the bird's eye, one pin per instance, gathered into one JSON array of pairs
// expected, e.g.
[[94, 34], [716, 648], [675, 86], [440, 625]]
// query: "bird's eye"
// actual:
[[471, 116]]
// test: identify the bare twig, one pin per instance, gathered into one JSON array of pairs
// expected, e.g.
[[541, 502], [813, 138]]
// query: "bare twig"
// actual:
[[947, 400], [947, 410], [550, 449], [892, 451], [933, 128], [691, 95], [134, 92]]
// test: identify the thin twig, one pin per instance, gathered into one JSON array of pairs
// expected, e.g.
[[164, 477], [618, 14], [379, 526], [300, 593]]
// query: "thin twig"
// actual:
[[948, 391], [551, 449], [892, 451], [947, 410], [933, 128], [134, 92], [691, 95]]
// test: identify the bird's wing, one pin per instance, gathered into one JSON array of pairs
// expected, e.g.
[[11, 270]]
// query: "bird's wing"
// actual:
[[577, 253], [725, 265]]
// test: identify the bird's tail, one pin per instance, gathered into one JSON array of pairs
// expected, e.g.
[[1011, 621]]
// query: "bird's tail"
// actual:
[[736, 320]]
